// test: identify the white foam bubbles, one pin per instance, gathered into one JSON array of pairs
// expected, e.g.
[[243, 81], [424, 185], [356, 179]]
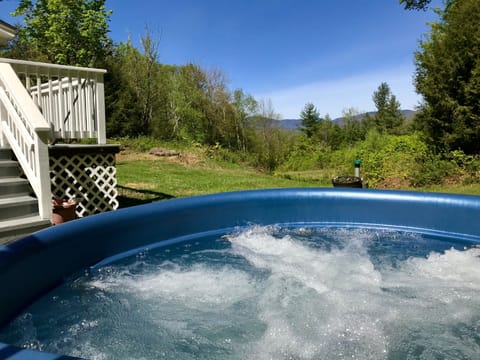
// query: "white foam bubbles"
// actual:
[[312, 297], [195, 287], [337, 302]]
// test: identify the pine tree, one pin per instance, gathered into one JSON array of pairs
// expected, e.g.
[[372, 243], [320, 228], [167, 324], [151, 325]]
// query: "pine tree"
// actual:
[[310, 120], [389, 116], [448, 77]]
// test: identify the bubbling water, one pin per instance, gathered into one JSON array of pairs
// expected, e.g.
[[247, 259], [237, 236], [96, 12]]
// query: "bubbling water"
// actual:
[[269, 293]]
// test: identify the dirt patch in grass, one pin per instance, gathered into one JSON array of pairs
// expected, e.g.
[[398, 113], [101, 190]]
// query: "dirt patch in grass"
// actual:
[[133, 156], [393, 182], [456, 180], [140, 185], [186, 159]]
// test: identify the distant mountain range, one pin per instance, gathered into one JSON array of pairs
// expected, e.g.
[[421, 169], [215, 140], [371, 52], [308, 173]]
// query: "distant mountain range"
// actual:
[[294, 124]]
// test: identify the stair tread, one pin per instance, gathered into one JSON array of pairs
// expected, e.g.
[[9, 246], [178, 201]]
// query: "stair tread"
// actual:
[[14, 229], [9, 180], [24, 222], [24, 199], [14, 186], [5, 154], [6, 162]]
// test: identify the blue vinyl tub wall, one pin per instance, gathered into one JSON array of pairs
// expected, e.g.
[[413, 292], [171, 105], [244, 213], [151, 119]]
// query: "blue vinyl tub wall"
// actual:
[[41, 261]]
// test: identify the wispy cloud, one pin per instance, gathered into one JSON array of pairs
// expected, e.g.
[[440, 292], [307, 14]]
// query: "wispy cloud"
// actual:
[[334, 96]]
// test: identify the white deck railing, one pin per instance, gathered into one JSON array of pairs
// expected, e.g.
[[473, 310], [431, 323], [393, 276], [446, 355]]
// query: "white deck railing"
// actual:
[[70, 98], [25, 130], [54, 102]]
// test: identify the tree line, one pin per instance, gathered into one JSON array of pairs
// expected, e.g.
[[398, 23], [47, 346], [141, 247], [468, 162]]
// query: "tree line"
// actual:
[[189, 103]]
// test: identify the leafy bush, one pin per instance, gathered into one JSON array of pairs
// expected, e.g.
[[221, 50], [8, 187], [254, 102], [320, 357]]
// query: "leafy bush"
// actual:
[[433, 170], [383, 157], [304, 156], [391, 157], [138, 144]]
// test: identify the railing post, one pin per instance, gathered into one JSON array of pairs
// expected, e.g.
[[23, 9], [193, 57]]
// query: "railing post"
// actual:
[[100, 111], [3, 140], [43, 170]]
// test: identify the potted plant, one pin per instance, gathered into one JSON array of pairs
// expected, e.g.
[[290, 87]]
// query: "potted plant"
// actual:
[[63, 210]]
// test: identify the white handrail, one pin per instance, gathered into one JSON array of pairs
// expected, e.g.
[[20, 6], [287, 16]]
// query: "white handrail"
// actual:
[[71, 98], [46, 69], [25, 129]]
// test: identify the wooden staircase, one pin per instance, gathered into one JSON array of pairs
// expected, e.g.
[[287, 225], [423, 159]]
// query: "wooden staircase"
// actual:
[[18, 208]]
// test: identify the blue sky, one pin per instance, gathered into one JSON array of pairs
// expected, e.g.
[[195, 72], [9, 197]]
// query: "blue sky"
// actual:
[[333, 53]]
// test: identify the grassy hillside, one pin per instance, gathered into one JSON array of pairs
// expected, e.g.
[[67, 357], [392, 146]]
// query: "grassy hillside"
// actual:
[[143, 177]]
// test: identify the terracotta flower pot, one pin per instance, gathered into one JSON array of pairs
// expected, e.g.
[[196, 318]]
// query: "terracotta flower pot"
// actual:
[[63, 210]]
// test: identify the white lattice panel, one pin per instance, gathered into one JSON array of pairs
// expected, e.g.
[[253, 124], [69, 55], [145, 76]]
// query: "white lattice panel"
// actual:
[[88, 178]]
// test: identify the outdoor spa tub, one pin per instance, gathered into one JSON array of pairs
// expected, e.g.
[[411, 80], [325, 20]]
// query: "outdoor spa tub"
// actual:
[[31, 267]]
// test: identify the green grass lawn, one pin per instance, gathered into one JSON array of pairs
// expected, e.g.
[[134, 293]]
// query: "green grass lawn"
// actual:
[[144, 178], [471, 189]]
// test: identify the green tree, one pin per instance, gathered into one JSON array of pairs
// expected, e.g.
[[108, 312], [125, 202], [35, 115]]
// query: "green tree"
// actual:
[[310, 119], [329, 134], [415, 4], [448, 77], [218, 110], [191, 94], [139, 74], [245, 106], [144, 72], [71, 32], [388, 117], [184, 105], [271, 144], [420, 4], [122, 106], [354, 126]]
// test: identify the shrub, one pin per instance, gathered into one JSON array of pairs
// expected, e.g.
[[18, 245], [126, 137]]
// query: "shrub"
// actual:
[[391, 157], [432, 170], [304, 156]]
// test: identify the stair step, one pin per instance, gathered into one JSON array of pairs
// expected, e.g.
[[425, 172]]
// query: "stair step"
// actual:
[[18, 210], [18, 206], [9, 168], [14, 186], [14, 229], [14, 200], [6, 154]]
